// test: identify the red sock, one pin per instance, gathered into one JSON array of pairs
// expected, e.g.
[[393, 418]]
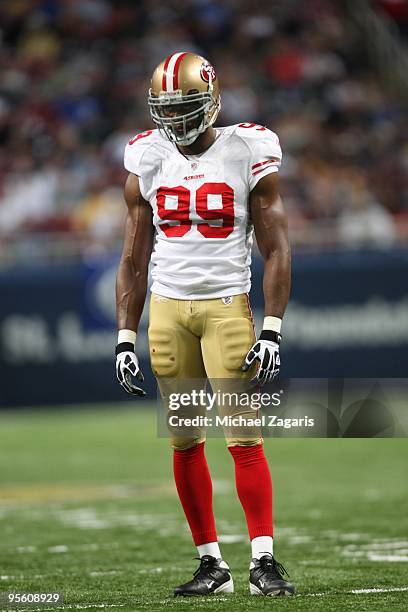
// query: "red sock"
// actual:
[[254, 487], [194, 486]]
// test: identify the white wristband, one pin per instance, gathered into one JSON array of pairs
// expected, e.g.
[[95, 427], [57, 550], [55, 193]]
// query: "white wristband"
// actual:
[[126, 335], [272, 324]]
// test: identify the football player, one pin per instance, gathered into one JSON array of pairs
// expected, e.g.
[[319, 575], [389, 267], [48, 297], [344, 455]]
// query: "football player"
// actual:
[[195, 193]]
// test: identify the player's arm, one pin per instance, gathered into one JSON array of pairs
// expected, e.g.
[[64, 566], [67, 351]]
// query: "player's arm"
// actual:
[[131, 282], [271, 231]]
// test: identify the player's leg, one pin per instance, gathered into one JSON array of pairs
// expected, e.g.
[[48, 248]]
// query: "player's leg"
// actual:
[[229, 334], [254, 488], [177, 364], [176, 359]]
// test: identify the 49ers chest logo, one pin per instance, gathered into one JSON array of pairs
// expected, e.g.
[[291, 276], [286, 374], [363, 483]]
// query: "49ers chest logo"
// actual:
[[207, 71]]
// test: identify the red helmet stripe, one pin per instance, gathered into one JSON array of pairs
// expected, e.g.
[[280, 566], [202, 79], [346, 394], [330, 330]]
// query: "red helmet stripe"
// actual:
[[176, 71], [166, 65]]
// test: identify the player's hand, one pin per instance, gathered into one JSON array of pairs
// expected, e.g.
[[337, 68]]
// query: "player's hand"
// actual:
[[127, 368], [266, 352]]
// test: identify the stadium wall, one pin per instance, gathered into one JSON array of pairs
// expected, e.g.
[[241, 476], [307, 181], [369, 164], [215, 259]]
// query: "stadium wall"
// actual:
[[348, 317]]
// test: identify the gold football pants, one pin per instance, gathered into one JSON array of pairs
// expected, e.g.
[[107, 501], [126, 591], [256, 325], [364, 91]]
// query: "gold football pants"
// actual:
[[198, 339]]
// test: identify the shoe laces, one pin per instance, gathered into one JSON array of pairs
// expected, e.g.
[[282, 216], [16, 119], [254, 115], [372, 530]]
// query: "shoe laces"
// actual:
[[206, 565], [269, 565]]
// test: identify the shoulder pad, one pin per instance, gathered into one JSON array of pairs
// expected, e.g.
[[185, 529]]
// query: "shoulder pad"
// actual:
[[252, 131], [136, 148], [141, 136], [264, 150]]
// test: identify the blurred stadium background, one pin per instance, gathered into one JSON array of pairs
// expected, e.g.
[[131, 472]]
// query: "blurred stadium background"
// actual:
[[329, 77], [86, 500]]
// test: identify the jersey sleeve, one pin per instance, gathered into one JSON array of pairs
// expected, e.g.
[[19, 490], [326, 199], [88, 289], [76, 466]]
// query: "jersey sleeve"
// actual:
[[136, 160], [266, 153]]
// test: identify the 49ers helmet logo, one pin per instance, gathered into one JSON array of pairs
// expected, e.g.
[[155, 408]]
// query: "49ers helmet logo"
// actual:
[[207, 71]]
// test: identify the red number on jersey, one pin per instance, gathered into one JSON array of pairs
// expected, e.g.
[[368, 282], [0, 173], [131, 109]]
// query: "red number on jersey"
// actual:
[[141, 135], [180, 213], [225, 213], [259, 128]]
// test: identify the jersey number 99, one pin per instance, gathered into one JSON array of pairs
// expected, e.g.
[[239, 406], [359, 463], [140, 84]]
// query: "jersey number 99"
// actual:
[[181, 213]]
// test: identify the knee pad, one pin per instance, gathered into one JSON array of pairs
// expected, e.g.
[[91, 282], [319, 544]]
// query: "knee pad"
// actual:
[[235, 338], [163, 352]]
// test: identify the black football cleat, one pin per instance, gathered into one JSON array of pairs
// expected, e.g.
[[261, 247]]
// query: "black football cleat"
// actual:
[[266, 577], [212, 577]]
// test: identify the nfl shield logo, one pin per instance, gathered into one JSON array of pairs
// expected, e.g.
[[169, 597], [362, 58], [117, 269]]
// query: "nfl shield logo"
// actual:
[[194, 166]]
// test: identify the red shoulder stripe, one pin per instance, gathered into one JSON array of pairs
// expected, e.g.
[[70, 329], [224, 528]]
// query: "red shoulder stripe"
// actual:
[[268, 161], [264, 167]]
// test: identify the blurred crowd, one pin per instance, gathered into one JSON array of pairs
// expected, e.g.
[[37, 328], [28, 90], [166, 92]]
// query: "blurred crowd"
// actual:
[[73, 83]]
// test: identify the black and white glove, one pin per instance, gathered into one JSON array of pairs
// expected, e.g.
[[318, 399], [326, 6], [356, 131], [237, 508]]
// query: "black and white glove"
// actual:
[[127, 367], [266, 352]]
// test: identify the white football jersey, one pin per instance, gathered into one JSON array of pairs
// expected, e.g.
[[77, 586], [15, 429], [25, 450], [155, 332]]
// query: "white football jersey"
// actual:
[[200, 208]]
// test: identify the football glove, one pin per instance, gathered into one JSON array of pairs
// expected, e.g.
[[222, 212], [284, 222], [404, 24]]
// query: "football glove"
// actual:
[[127, 367], [266, 352]]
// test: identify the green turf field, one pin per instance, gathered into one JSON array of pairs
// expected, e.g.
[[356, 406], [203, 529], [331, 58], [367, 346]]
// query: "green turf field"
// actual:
[[88, 507]]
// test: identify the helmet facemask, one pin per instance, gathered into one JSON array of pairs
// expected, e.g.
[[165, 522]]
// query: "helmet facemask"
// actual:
[[183, 118]]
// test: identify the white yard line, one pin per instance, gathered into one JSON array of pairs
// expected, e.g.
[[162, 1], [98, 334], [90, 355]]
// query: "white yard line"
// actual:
[[300, 539], [388, 550], [390, 590], [379, 545], [222, 486], [373, 591], [388, 558], [61, 548], [151, 570], [356, 592], [72, 607], [105, 573], [324, 594], [228, 538]]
